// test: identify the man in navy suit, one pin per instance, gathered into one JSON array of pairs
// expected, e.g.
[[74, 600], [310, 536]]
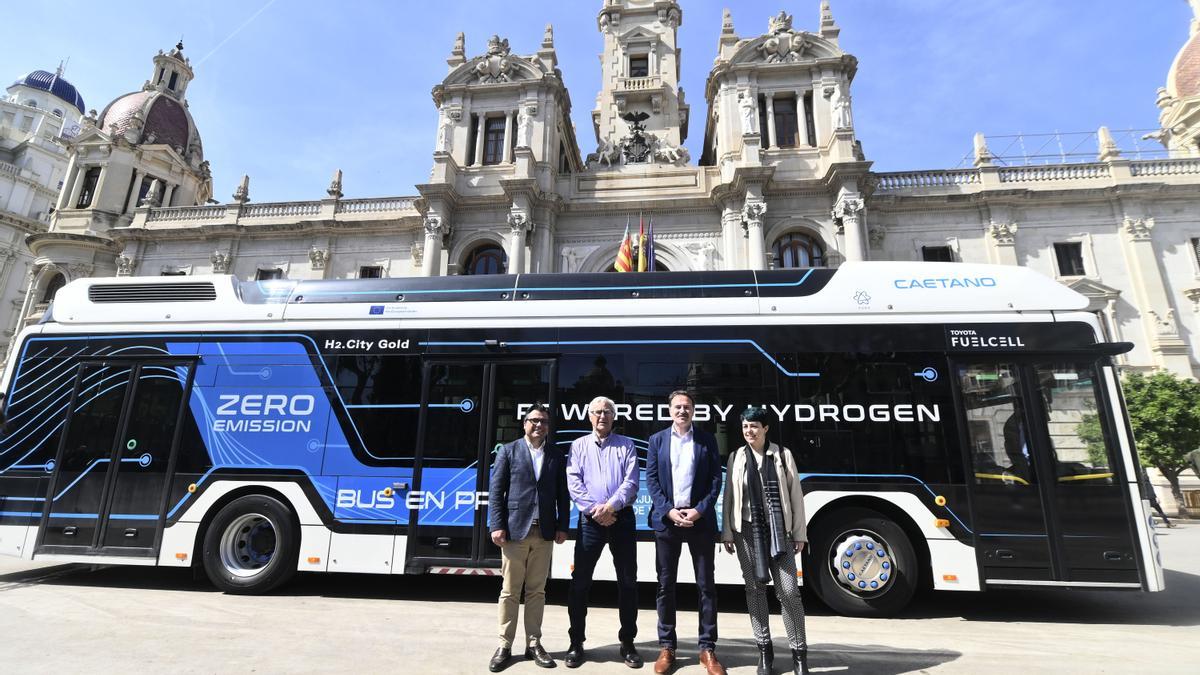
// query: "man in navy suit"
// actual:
[[529, 511], [683, 476]]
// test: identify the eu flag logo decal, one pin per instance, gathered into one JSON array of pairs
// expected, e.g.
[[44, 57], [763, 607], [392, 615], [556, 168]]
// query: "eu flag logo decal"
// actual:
[[377, 309]]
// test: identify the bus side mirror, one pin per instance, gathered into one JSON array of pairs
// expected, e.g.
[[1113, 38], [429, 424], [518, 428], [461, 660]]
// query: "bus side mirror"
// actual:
[[3, 419]]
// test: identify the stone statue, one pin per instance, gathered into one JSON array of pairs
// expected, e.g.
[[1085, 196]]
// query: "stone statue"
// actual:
[[570, 259], [606, 153], [153, 195], [842, 118], [445, 134], [671, 154], [459, 45], [525, 125], [749, 113]]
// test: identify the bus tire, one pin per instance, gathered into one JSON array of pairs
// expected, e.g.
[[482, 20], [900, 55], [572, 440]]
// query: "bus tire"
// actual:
[[862, 563], [251, 546]]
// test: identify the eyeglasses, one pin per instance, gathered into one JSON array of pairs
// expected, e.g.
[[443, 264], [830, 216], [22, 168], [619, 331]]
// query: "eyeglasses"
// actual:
[[537, 420], [602, 413]]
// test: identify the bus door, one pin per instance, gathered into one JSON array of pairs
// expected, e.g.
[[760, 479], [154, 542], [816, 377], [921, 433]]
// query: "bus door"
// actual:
[[115, 458], [469, 408], [1049, 503]]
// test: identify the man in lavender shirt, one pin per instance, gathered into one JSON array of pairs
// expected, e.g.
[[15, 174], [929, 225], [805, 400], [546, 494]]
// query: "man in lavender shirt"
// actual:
[[602, 477]]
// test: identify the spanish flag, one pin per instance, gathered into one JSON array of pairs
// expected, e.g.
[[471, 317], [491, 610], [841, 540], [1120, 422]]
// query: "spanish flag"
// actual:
[[625, 253]]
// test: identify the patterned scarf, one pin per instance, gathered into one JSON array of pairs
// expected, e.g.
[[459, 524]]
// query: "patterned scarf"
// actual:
[[766, 508]]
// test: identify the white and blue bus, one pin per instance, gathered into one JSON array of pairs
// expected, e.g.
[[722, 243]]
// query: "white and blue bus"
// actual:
[[957, 426]]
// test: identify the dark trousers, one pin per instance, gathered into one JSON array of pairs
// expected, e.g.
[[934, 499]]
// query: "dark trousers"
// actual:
[[621, 538], [701, 544]]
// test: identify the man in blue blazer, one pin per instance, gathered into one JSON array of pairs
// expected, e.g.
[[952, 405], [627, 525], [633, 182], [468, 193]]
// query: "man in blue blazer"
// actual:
[[529, 511], [683, 476]]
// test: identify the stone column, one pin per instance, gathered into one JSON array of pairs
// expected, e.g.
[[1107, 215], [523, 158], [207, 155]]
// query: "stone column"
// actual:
[[76, 187], [771, 141], [1158, 316], [68, 183], [801, 121], [1002, 241], [131, 203], [731, 235], [435, 229], [166, 200], [508, 138], [544, 236], [849, 210], [518, 227], [822, 110], [752, 214], [479, 133]]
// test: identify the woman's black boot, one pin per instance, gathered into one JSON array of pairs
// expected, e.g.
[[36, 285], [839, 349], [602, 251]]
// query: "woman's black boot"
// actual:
[[766, 655], [800, 661]]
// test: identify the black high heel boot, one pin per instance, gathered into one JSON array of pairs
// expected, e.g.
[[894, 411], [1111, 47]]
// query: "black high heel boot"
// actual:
[[766, 656], [800, 661]]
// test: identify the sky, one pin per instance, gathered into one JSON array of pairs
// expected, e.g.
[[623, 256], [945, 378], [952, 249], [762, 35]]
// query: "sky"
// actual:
[[286, 91]]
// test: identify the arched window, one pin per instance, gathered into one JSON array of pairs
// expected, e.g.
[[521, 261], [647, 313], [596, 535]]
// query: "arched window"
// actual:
[[486, 259], [56, 282], [794, 250]]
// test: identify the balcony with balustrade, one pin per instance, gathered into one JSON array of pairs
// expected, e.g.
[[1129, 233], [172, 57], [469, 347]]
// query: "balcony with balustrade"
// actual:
[[1038, 162]]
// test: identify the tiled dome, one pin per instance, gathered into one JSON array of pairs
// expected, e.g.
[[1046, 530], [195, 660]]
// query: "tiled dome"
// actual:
[[55, 84], [1183, 80], [166, 120]]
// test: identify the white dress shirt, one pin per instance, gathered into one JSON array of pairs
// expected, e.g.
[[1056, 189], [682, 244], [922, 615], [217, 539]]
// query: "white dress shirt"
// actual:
[[683, 466], [536, 456]]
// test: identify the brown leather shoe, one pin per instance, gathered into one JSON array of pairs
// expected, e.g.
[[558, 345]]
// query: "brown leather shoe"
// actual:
[[666, 659], [708, 658]]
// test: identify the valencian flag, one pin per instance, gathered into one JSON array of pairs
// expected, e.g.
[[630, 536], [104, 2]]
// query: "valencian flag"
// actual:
[[625, 252]]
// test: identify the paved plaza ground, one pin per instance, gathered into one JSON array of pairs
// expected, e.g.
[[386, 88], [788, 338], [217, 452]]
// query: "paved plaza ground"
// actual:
[[125, 619]]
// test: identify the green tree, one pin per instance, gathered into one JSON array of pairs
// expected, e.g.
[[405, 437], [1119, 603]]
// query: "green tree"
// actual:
[[1164, 411]]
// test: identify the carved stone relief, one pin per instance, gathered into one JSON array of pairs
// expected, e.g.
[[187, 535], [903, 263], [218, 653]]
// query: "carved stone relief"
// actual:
[[496, 65], [785, 45], [319, 257], [1003, 233], [220, 261]]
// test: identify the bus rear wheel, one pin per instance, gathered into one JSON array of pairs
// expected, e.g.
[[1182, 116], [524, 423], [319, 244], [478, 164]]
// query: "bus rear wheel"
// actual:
[[862, 564], [251, 546]]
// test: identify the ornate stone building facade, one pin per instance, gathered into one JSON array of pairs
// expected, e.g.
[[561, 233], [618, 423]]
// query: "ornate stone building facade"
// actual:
[[781, 180], [38, 113]]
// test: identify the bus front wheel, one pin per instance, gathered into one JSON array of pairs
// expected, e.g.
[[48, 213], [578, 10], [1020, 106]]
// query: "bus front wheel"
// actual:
[[862, 563], [251, 545]]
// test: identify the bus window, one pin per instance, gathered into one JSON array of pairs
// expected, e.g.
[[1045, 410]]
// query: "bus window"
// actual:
[[999, 436], [1077, 440]]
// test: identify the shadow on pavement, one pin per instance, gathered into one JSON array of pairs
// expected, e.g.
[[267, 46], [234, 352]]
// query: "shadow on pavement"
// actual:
[[1176, 606]]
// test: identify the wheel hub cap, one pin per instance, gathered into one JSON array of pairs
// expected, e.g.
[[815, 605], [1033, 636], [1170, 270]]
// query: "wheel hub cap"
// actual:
[[862, 563]]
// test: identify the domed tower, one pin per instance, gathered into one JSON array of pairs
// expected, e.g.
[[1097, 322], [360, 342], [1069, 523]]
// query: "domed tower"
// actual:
[[142, 151], [39, 110], [1179, 101]]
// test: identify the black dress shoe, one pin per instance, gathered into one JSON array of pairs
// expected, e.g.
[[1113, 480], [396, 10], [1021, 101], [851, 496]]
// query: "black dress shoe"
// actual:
[[766, 656], [574, 655], [800, 661], [630, 655], [499, 659], [539, 656]]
